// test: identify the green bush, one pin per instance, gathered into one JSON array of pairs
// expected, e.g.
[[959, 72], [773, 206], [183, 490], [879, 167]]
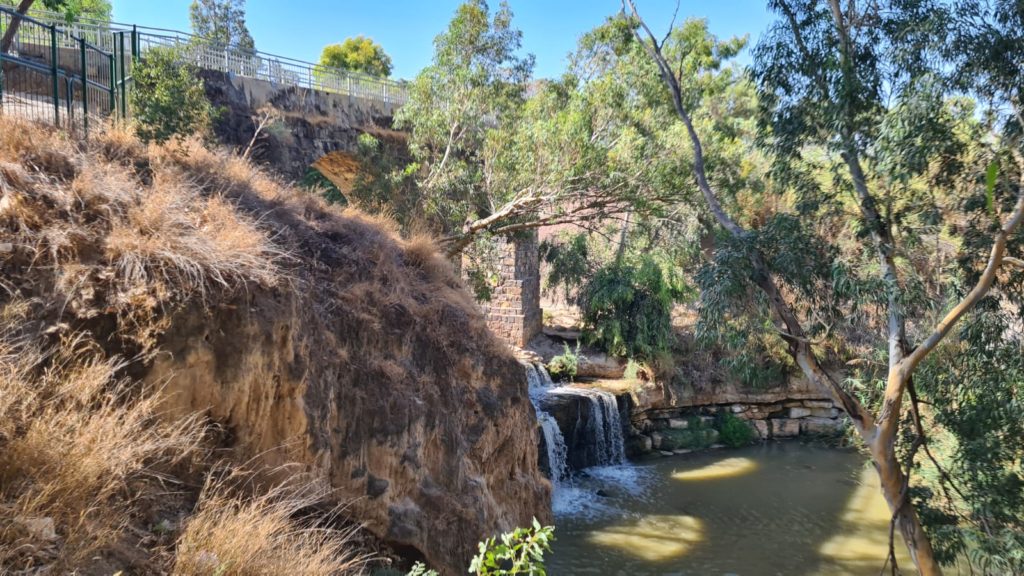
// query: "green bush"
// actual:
[[734, 432], [627, 309], [566, 365], [167, 98], [689, 439], [520, 552]]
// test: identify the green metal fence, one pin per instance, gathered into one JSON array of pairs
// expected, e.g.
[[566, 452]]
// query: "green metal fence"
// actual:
[[233, 59], [48, 73]]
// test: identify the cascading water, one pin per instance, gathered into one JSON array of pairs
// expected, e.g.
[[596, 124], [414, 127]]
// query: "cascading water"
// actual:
[[604, 424], [557, 452], [599, 430]]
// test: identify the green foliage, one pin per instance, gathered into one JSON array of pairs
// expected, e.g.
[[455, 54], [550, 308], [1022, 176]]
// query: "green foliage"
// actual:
[[476, 81], [693, 438], [72, 9], [221, 22], [565, 365], [976, 385], [520, 552], [167, 98], [568, 263], [732, 431], [627, 309], [315, 180], [385, 183], [481, 263], [359, 54]]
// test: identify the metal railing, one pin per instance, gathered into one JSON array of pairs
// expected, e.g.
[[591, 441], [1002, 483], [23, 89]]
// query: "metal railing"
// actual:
[[47, 72], [233, 59]]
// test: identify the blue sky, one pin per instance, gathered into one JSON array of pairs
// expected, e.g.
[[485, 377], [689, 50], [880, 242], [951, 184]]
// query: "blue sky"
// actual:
[[406, 28]]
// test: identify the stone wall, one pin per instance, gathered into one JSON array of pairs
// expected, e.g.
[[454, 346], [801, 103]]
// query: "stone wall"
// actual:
[[772, 420], [514, 312]]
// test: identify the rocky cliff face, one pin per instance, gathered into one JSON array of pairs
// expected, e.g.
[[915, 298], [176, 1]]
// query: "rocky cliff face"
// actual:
[[313, 337], [306, 127], [374, 369]]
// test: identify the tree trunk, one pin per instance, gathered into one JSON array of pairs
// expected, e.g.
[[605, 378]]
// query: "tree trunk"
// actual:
[[12, 30]]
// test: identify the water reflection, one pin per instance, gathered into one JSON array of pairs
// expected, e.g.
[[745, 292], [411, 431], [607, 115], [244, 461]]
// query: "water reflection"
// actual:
[[863, 530], [780, 509], [723, 469], [653, 538]]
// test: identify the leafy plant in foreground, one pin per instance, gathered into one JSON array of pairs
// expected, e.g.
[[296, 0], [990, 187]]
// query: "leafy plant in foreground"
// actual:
[[518, 552]]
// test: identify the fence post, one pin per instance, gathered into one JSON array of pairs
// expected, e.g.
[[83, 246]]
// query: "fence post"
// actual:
[[124, 81], [85, 87], [135, 43], [113, 86], [54, 71]]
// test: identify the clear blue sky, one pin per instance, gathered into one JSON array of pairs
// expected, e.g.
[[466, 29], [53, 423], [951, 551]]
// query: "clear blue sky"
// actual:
[[406, 28]]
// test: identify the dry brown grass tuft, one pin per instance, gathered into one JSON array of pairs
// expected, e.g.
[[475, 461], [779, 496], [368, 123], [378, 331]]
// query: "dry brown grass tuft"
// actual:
[[73, 441], [237, 535], [119, 229]]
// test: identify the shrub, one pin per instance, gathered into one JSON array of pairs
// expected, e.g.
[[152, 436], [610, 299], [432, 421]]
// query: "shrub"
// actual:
[[693, 438], [519, 552], [566, 365], [627, 309], [168, 99], [734, 432]]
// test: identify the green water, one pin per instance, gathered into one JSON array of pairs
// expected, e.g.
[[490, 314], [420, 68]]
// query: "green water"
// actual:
[[780, 509]]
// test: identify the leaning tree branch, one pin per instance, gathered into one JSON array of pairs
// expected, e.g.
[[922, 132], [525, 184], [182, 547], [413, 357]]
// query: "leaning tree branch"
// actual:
[[981, 288], [794, 334]]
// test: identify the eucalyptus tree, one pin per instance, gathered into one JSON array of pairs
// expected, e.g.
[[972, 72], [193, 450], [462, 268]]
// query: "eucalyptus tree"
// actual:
[[859, 89], [497, 153]]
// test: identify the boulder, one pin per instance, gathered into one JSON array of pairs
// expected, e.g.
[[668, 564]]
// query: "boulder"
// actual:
[[638, 445], [822, 426], [761, 427], [678, 423], [656, 440], [784, 427], [799, 412], [818, 403], [824, 412]]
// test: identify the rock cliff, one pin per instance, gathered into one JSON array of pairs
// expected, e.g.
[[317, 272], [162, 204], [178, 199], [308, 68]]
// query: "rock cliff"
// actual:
[[311, 336]]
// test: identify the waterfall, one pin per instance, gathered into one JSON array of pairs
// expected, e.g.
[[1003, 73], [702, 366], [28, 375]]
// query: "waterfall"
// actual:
[[604, 424], [557, 452]]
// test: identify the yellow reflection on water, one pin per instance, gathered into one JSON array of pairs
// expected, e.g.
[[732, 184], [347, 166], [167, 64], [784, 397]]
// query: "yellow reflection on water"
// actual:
[[653, 538], [728, 468], [861, 543]]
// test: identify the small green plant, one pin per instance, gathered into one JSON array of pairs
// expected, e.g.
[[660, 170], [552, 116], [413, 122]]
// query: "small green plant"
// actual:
[[520, 552], [566, 365], [734, 432], [632, 371], [168, 99]]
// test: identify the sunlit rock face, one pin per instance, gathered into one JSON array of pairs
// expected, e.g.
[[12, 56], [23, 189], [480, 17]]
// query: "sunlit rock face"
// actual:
[[373, 369]]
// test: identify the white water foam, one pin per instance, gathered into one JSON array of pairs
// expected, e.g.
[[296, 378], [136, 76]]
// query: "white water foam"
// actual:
[[613, 475]]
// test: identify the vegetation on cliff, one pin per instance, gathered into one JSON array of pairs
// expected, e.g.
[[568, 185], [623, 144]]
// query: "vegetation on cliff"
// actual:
[[156, 301]]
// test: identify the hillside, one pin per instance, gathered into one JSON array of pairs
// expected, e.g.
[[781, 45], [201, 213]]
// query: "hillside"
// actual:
[[166, 309]]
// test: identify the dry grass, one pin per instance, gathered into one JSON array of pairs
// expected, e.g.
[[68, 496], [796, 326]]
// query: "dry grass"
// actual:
[[99, 244], [103, 247], [72, 444], [123, 231], [234, 535]]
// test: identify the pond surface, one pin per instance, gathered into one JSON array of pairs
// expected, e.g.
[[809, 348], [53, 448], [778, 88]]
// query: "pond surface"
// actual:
[[784, 509]]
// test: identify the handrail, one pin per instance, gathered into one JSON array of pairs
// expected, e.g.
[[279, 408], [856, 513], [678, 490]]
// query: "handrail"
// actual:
[[248, 63]]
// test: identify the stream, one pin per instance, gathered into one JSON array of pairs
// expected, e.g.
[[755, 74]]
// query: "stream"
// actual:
[[781, 508]]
